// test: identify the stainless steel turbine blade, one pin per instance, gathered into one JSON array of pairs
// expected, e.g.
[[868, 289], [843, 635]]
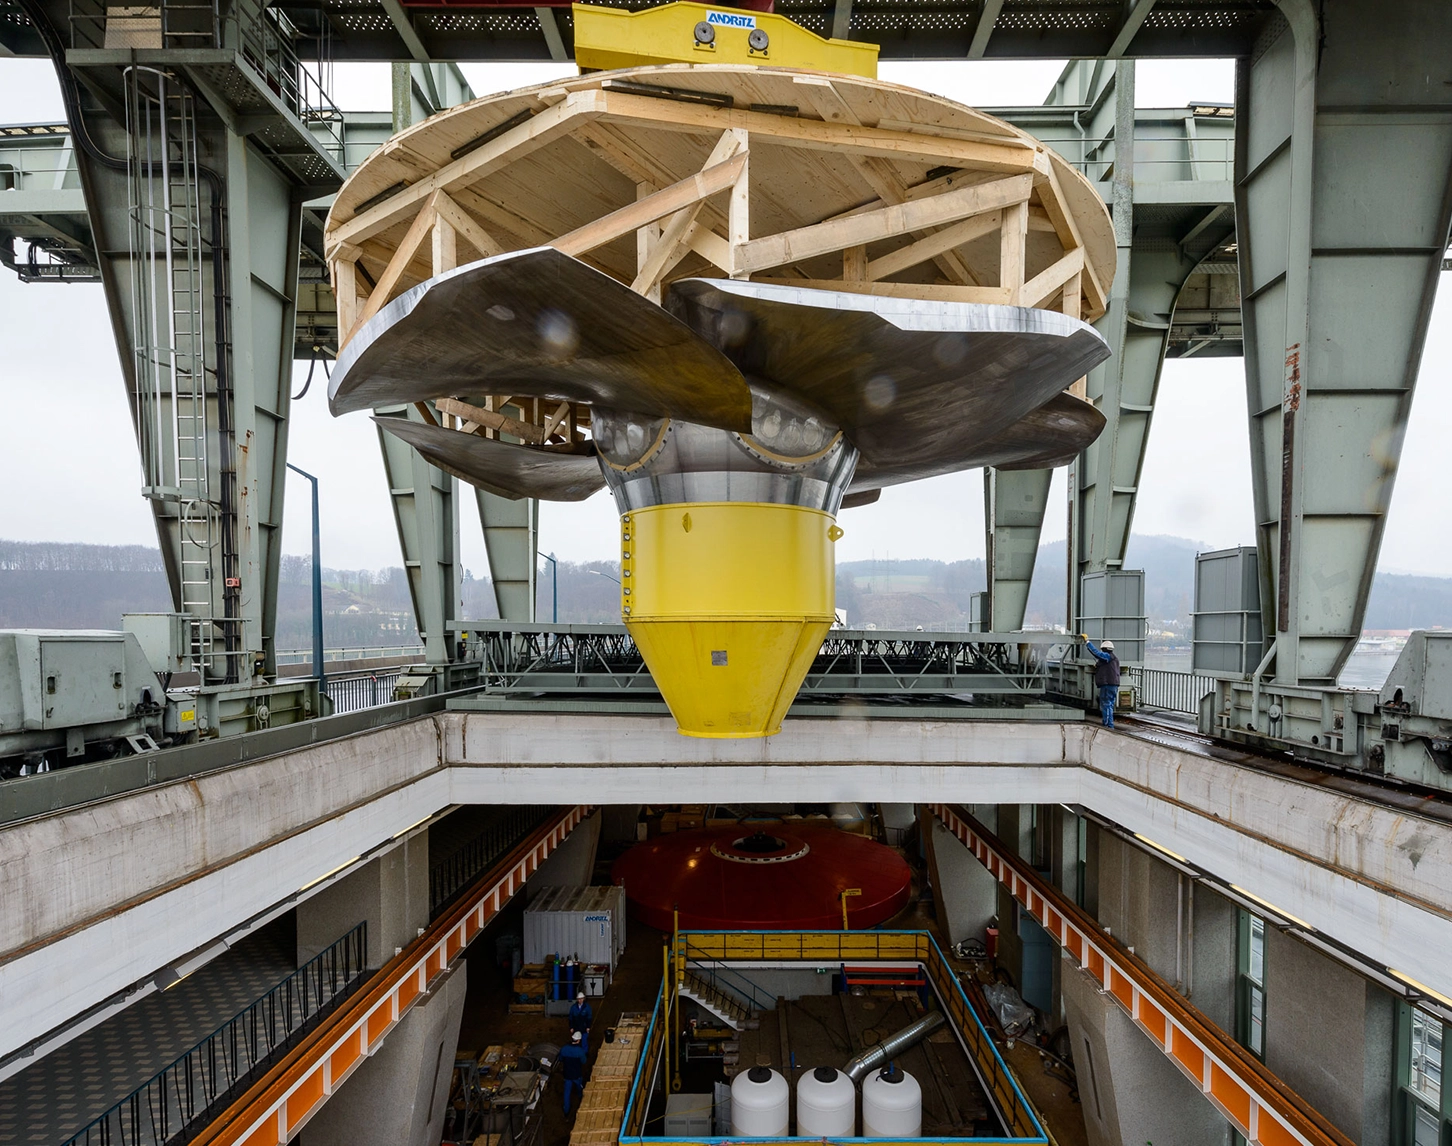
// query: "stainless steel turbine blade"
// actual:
[[1053, 435], [537, 323], [501, 467], [912, 383]]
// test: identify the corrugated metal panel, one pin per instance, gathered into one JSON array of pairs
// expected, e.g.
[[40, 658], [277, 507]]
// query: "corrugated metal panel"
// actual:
[[576, 922]]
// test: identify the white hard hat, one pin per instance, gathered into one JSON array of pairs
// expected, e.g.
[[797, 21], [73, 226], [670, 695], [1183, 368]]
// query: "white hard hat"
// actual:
[[1107, 646], [575, 1037], [581, 995]]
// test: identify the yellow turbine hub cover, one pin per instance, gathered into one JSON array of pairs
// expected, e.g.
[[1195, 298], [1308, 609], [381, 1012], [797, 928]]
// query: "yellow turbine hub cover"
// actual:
[[728, 603]]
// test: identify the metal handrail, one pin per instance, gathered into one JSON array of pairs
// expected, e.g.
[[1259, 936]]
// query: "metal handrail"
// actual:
[[185, 1092], [1257, 1103], [273, 1109], [748, 994], [1171, 689], [449, 877]]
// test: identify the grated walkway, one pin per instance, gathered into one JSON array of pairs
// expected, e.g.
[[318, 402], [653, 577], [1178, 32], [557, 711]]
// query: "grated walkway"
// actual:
[[59, 1096]]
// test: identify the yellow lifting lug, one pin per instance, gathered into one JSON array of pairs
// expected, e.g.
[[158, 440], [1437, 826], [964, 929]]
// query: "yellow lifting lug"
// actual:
[[688, 33]]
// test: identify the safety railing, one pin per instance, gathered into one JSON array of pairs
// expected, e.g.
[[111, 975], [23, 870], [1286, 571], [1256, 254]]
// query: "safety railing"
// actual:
[[901, 947], [1257, 1104], [1158, 156], [1171, 689], [275, 1108], [366, 690], [735, 986], [185, 1093], [352, 653], [448, 877]]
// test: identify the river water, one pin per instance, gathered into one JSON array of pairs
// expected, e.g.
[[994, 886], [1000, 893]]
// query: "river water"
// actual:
[[1367, 668]]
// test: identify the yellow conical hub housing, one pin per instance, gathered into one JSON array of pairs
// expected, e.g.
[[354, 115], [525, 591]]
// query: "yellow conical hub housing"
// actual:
[[728, 603]]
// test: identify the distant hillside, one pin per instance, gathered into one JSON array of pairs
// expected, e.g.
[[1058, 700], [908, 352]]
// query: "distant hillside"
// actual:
[[45, 585]]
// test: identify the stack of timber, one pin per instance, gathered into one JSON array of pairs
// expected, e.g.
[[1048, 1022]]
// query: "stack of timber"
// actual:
[[602, 1108]]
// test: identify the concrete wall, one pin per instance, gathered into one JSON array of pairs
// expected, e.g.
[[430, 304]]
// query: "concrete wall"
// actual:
[[397, 1097], [1329, 1034], [1130, 1092], [572, 864], [967, 896], [390, 893]]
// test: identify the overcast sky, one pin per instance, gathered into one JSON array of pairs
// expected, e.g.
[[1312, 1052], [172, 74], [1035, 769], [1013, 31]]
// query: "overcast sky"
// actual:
[[68, 455]]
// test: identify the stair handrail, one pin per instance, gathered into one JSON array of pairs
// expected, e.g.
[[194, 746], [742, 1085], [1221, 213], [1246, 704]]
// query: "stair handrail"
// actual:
[[747, 996]]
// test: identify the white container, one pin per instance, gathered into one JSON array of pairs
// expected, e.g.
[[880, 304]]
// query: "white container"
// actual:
[[760, 1104], [826, 1105], [587, 923], [892, 1105]]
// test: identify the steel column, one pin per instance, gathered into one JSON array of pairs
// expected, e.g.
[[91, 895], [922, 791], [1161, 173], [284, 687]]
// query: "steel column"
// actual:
[[1343, 156], [1013, 517], [511, 540], [426, 512]]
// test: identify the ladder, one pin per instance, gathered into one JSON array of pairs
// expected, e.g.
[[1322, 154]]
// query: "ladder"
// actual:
[[175, 412]]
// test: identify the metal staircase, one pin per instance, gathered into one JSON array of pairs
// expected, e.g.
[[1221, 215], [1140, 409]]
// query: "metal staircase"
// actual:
[[731, 1012]]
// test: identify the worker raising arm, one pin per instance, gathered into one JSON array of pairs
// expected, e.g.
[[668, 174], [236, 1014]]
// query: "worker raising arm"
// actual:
[[1106, 676]]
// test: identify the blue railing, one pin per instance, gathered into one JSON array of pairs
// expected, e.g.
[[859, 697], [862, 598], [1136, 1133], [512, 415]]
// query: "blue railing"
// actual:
[[178, 1100]]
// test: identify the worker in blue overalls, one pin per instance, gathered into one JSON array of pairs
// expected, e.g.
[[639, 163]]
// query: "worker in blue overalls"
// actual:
[[572, 1069], [1106, 676], [581, 1016]]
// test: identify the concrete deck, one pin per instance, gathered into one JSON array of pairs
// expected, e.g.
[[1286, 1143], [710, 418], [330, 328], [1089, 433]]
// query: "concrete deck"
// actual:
[[148, 876]]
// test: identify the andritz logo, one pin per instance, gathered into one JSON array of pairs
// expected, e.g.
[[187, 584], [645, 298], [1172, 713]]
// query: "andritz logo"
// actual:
[[597, 919], [731, 19]]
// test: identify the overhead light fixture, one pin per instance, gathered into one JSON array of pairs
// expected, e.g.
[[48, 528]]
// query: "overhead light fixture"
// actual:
[[1271, 907], [329, 874], [1160, 848], [1421, 987]]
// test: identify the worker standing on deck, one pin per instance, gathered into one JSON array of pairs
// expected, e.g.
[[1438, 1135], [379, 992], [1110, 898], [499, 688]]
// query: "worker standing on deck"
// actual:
[[572, 1068], [581, 1017], [1106, 676]]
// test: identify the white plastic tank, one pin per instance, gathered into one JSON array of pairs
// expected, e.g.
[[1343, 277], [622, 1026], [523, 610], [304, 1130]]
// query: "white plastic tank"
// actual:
[[826, 1104], [892, 1104], [760, 1104]]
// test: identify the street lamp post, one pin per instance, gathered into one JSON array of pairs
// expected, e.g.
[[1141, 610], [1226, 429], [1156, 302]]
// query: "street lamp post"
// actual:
[[554, 586], [317, 588], [602, 573]]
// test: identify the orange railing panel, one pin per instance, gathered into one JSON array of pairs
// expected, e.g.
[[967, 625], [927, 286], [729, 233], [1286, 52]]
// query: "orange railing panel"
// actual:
[[1260, 1106]]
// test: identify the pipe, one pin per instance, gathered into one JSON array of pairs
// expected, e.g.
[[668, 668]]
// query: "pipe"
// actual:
[[910, 1035]]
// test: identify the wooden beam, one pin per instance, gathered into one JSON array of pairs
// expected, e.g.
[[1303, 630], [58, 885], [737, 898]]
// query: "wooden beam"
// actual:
[[933, 292], [445, 245], [738, 217], [525, 431], [878, 173], [665, 202], [1072, 305], [467, 226], [884, 223], [937, 243], [1008, 157], [345, 291], [1051, 195], [425, 413], [854, 264], [1047, 283], [387, 281], [497, 153], [1012, 246], [672, 244], [711, 247]]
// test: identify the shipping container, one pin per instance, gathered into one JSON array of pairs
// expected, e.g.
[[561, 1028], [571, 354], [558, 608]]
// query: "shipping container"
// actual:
[[585, 923]]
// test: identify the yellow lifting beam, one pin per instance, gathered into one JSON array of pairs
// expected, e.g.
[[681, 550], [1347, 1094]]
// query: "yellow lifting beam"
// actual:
[[687, 33]]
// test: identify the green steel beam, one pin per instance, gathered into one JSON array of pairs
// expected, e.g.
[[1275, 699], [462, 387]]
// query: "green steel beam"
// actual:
[[1344, 165], [511, 540], [1014, 502], [426, 512]]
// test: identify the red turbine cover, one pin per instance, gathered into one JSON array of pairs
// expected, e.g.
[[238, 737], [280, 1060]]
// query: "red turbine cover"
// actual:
[[770, 877]]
